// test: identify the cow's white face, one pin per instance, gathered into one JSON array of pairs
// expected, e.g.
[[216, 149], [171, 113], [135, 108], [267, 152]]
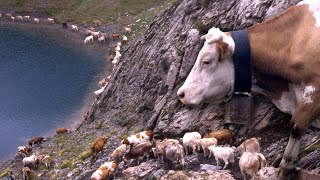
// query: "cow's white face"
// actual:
[[211, 79]]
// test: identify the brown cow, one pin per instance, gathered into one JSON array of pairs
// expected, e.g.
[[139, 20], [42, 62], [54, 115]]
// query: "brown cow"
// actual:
[[115, 36], [97, 146], [222, 135], [282, 63], [61, 130], [37, 140]]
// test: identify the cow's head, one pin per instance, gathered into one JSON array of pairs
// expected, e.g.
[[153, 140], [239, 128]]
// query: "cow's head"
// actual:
[[211, 79]]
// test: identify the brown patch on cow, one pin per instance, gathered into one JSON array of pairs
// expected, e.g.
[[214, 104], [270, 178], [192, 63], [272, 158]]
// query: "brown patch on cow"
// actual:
[[126, 141], [283, 51], [149, 133], [138, 135], [222, 48]]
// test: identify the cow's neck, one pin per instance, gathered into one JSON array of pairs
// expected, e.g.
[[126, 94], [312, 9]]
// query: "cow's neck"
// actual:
[[269, 53]]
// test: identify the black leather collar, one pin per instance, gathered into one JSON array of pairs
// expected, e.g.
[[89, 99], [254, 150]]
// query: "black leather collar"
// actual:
[[242, 62]]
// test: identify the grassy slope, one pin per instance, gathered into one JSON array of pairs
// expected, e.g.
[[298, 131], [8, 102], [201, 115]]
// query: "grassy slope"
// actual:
[[123, 12]]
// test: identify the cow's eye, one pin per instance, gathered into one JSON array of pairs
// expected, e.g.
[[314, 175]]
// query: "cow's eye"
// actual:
[[206, 62]]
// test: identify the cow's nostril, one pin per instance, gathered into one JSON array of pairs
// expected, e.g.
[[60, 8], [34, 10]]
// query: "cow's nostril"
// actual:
[[181, 95]]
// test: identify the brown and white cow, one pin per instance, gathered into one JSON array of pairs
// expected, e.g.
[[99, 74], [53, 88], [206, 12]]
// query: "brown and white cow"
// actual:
[[285, 63]]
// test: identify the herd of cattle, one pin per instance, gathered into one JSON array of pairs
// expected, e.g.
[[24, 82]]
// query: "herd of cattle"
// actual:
[[173, 151], [91, 35], [142, 145]]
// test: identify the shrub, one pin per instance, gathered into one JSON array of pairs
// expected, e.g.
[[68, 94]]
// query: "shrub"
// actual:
[[112, 132], [99, 125], [65, 164], [201, 27], [122, 136], [85, 155], [4, 173]]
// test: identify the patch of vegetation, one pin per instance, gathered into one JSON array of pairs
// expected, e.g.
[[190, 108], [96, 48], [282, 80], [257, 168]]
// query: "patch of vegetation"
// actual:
[[124, 12], [310, 149], [122, 136], [201, 27], [4, 173], [70, 149], [66, 164], [112, 132], [42, 167], [99, 125], [61, 140], [86, 154]]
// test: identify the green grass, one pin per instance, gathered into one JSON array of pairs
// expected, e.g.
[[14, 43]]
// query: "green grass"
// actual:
[[84, 155], [4, 173], [122, 136], [99, 125], [66, 164], [70, 149], [310, 149], [123, 12], [112, 132]]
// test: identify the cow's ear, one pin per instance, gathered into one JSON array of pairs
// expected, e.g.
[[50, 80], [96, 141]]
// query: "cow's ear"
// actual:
[[224, 50]]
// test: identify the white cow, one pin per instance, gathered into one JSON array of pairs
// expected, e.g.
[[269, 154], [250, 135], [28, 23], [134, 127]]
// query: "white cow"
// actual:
[[74, 28], [36, 20], [88, 39], [285, 67], [51, 20]]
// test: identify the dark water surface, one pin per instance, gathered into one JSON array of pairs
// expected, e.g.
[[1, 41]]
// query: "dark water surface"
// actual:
[[45, 82]]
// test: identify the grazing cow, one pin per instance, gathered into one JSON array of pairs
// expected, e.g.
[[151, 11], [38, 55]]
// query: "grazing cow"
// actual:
[[96, 34], [88, 39], [127, 29], [222, 135], [26, 171], [46, 160], [27, 18], [143, 149], [51, 20], [115, 36], [138, 138], [224, 153], [174, 153], [88, 32], [31, 160], [36, 20], [284, 58], [159, 149], [97, 146], [188, 141], [20, 18], [74, 28], [250, 145], [8, 15], [118, 153], [250, 163], [102, 82], [104, 171], [25, 151], [102, 39], [37, 140], [124, 40], [62, 130]]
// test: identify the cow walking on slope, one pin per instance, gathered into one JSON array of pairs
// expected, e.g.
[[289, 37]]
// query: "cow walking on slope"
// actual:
[[283, 64]]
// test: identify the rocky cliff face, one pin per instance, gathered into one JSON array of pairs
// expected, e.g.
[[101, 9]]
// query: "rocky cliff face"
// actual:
[[142, 90]]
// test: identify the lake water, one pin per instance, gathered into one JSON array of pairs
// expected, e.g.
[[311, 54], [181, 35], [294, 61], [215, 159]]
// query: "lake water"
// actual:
[[45, 82]]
